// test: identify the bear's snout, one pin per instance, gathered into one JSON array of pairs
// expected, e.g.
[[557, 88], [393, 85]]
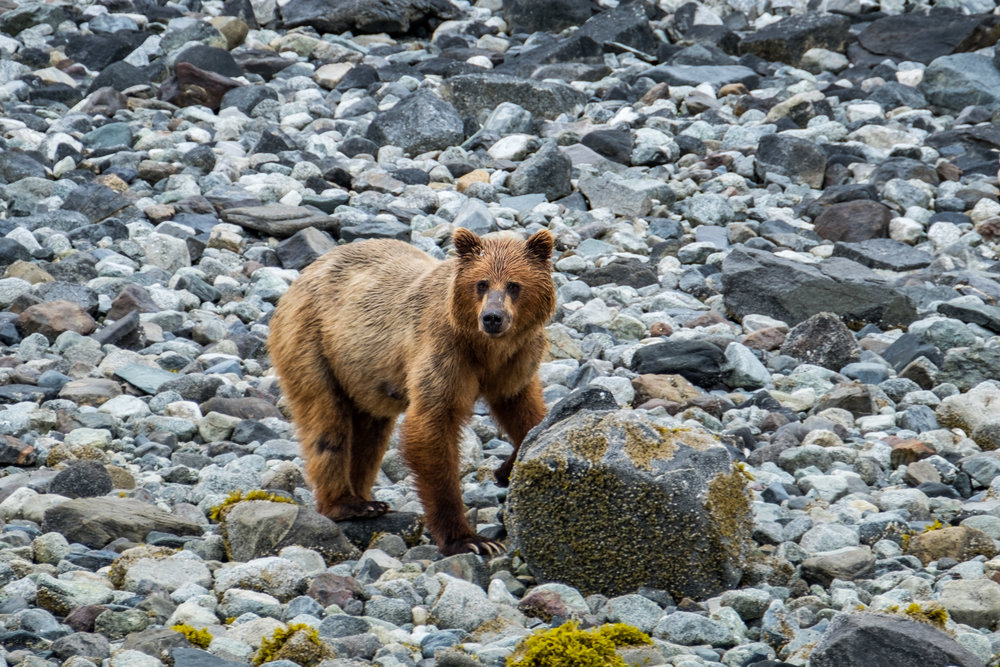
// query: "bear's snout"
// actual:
[[494, 318]]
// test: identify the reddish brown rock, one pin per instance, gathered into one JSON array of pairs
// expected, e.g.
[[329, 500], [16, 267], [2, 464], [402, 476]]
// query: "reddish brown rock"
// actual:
[[906, 452], [54, 317], [132, 298], [852, 221], [191, 86], [766, 339]]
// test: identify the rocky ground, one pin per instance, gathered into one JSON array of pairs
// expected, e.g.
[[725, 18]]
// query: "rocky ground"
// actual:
[[775, 224]]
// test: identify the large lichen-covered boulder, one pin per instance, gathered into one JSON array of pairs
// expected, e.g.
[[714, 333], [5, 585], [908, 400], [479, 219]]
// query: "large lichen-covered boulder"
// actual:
[[611, 500]]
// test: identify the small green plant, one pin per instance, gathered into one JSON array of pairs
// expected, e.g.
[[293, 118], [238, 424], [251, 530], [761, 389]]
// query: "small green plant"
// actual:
[[218, 513], [937, 525], [200, 638], [271, 646], [569, 646]]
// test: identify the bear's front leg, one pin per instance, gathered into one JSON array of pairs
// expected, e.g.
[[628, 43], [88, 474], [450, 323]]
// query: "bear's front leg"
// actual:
[[517, 415], [429, 443]]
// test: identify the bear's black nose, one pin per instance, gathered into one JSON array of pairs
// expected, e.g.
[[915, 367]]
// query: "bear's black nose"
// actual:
[[492, 321]]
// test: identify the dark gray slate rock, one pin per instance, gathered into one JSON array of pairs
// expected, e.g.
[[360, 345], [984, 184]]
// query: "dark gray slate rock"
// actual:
[[15, 165], [924, 36], [587, 491], [366, 16], [547, 171], [954, 82], [419, 123], [376, 229], [280, 220], [258, 528], [756, 281], [192, 657], [883, 254], [97, 521], [95, 201], [196, 387], [696, 360], [822, 340], [881, 640], [303, 248], [965, 367], [82, 479], [693, 75], [908, 347], [892, 94], [856, 220], [799, 159], [974, 313], [210, 58], [472, 94], [530, 16], [786, 40]]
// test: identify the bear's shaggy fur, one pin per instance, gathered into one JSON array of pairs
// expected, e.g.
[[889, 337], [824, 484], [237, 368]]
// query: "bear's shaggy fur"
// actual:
[[377, 328]]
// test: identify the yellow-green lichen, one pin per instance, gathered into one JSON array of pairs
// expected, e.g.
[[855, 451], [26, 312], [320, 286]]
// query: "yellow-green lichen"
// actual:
[[937, 525], [729, 506], [198, 637], [569, 646], [932, 613], [297, 642], [218, 513]]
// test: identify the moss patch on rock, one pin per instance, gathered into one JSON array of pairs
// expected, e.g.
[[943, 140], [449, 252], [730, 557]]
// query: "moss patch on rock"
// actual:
[[569, 646], [297, 642]]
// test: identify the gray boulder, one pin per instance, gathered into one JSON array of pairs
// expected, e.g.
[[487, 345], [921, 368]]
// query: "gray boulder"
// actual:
[[419, 123], [607, 501], [257, 528], [957, 81]]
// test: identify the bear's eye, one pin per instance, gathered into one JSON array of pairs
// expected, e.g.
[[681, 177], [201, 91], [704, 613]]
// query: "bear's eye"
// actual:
[[513, 289], [482, 286]]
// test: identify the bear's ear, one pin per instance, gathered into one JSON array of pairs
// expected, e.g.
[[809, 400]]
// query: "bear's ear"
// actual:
[[540, 245], [467, 244]]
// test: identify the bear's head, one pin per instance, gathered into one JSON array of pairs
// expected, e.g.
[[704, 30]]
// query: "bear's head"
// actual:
[[503, 285]]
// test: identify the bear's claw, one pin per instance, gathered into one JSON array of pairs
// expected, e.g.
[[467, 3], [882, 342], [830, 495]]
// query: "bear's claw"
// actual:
[[360, 509], [476, 544]]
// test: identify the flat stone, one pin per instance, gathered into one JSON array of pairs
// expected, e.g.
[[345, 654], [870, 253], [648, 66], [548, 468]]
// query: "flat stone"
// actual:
[[882, 253]]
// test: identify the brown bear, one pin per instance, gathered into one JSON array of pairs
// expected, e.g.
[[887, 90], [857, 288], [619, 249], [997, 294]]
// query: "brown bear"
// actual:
[[377, 328]]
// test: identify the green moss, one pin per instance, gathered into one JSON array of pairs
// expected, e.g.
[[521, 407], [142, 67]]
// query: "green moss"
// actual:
[[309, 651], [932, 613], [568, 646], [218, 513], [623, 634], [200, 638]]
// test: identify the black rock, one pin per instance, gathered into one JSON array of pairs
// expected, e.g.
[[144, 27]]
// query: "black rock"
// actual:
[[192, 657], [376, 229], [419, 123], [354, 145], [616, 145], [629, 272], [883, 254], [95, 201], [892, 94], [210, 58], [82, 479], [908, 347], [367, 16], [119, 75], [756, 281], [245, 98], [11, 251], [303, 248], [97, 51], [529, 16], [15, 165], [822, 340], [786, 40], [697, 361], [84, 644], [547, 171], [693, 75], [924, 36], [798, 159], [862, 640], [194, 387], [473, 94]]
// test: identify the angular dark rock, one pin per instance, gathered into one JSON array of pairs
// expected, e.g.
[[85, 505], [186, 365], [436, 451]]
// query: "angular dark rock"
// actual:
[[190, 86], [908, 347], [954, 82], [756, 281], [863, 640], [974, 313], [697, 361], [280, 220], [82, 479], [474, 94], [132, 298], [922, 36], [798, 159], [210, 59], [366, 16], [882, 253], [547, 171], [95, 201], [529, 16], [303, 248], [852, 221], [786, 40], [693, 75], [119, 76], [419, 123], [822, 340]]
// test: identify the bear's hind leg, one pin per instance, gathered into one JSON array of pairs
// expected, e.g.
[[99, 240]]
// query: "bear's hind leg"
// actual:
[[369, 442]]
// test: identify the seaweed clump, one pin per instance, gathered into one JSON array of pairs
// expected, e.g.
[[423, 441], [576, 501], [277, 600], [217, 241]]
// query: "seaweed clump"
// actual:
[[297, 642], [569, 646], [218, 513], [198, 637]]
